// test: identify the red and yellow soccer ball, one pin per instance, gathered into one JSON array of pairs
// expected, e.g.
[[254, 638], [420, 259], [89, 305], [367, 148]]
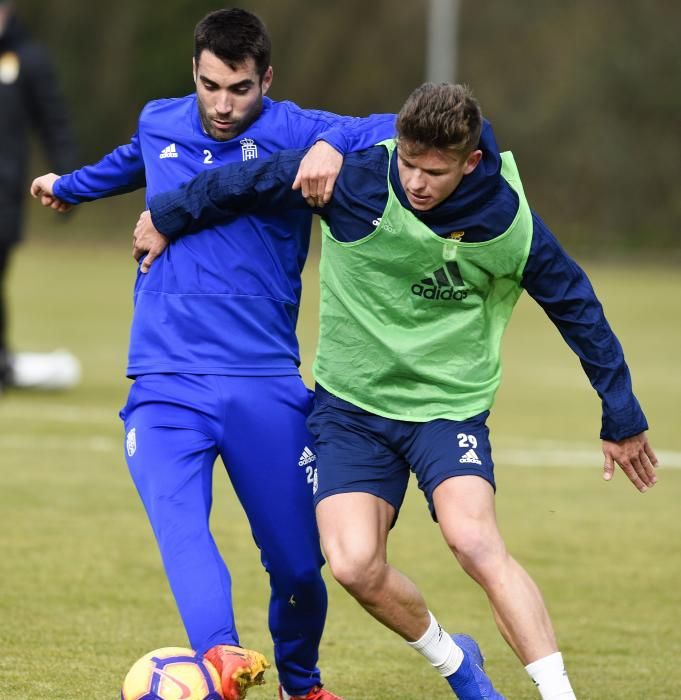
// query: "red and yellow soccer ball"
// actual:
[[172, 673]]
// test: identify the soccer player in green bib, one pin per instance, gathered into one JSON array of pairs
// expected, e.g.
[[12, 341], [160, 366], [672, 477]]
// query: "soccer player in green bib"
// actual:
[[428, 241]]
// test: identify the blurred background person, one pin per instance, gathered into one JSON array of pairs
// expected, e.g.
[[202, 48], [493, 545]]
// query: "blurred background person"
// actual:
[[29, 100]]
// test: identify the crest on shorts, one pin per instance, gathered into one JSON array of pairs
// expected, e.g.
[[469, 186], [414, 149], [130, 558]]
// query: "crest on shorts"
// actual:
[[131, 442]]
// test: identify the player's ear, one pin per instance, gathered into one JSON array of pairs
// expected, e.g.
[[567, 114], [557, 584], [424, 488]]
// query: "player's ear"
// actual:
[[194, 73], [472, 162], [266, 80]]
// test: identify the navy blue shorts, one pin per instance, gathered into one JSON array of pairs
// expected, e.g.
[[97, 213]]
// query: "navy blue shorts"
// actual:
[[361, 451]]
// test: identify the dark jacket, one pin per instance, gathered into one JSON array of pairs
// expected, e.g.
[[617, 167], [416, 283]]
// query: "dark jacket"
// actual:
[[29, 98]]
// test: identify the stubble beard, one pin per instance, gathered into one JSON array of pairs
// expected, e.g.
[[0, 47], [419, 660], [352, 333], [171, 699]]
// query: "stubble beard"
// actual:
[[239, 126]]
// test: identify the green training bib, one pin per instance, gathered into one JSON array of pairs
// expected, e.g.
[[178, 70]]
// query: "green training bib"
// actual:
[[411, 322]]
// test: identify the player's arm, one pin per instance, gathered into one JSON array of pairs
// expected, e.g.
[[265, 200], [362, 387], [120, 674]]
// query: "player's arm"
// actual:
[[261, 186], [119, 172], [331, 138], [352, 134], [563, 290]]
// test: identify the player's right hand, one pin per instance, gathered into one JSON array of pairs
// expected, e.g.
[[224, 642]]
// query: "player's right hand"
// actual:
[[42, 188], [317, 174]]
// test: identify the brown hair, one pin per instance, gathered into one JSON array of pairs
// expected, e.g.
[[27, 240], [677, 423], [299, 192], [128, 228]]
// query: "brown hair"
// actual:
[[234, 35], [444, 116]]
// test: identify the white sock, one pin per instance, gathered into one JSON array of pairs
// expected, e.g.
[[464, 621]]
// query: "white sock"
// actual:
[[551, 678], [437, 646]]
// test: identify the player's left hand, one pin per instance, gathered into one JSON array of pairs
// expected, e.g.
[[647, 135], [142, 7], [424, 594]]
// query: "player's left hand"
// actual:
[[148, 241], [635, 457], [317, 174]]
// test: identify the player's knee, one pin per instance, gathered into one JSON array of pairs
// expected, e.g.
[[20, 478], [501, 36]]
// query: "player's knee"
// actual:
[[478, 550], [358, 572], [177, 536], [176, 525], [305, 581]]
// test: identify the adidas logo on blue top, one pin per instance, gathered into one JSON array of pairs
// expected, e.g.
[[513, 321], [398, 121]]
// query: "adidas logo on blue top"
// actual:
[[442, 284], [170, 151]]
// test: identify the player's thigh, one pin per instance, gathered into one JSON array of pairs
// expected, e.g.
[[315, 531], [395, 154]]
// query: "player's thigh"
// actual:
[[169, 448], [354, 454], [467, 516], [444, 449], [354, 531], [269, 455]]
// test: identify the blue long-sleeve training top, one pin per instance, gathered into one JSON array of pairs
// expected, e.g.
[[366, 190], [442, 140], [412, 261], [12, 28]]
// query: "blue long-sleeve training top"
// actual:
[[226, 301], [482, 206]]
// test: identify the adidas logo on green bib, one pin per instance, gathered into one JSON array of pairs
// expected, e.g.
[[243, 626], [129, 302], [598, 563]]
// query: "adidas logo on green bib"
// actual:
[[444, 283]]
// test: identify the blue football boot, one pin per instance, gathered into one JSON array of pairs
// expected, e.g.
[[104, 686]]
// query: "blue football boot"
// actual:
[[470, 682]]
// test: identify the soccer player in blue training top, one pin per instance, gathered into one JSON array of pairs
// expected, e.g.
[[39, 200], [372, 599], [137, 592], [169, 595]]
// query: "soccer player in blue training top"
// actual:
[[428, 241], [214, 355]]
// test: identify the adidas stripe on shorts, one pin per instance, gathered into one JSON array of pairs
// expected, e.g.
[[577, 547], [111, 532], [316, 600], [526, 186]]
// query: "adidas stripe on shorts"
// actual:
[[358, 451]]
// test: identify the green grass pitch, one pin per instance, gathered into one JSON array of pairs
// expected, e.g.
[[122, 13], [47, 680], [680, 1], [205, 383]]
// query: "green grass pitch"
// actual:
[[83, 595]]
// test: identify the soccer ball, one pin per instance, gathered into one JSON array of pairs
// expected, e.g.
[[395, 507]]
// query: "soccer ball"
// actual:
[[172, 673]]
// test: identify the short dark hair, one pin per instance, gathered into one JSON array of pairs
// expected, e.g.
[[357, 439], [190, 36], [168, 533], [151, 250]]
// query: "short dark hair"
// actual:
[[234, 36], [444, 116]]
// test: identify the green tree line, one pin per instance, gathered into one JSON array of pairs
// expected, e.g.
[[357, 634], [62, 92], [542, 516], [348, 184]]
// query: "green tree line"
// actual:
[[585, 93]]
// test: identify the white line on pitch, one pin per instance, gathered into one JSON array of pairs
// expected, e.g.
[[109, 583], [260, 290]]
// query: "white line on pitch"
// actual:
[[566, 457], [95, 443], [59, 413]]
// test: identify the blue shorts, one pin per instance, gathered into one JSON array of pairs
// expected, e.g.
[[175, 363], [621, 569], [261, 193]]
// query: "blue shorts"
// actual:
[[361, 451]]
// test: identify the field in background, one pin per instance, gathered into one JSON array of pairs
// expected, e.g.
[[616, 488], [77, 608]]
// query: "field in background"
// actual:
[[82, 592]]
